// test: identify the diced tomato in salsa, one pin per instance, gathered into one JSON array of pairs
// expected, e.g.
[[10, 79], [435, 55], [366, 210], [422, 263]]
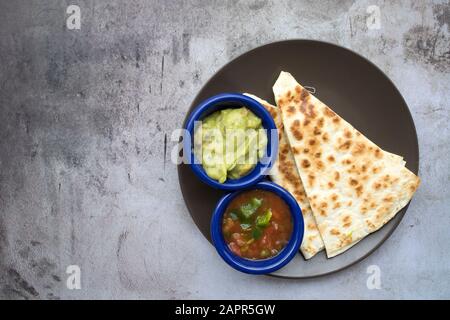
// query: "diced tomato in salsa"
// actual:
[[257, 224]]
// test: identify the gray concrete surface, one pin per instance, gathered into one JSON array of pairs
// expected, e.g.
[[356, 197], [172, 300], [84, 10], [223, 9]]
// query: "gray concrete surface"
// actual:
[[83, 180]]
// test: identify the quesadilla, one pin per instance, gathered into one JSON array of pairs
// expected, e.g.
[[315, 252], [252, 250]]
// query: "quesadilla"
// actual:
[[353, 186], [284, 173]]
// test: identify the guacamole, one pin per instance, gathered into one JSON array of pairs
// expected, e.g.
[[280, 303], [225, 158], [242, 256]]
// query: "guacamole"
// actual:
[[229, 143]]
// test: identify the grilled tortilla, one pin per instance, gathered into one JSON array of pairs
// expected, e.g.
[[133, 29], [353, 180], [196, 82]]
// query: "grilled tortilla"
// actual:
[[353, 186], [284, 172]]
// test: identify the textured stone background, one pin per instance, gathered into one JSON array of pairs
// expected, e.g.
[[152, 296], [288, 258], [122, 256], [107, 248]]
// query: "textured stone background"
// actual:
[[83, 178]]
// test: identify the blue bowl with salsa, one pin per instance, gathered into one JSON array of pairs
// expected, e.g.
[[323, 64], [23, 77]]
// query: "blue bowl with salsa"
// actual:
[[257, 230], [225, 101]]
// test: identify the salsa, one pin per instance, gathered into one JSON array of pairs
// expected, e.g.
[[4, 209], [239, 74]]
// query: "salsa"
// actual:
[[257, 224]]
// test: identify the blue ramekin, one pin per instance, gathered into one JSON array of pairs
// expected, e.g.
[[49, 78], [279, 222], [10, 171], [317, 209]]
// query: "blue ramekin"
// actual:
[[266, 265], [223, 101]]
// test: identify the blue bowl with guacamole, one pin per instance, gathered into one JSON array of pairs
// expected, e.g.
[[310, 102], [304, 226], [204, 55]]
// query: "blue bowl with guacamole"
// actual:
[[230, 121]]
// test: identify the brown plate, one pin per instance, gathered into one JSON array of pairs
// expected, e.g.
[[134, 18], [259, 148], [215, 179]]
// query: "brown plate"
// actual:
[[354, 87]]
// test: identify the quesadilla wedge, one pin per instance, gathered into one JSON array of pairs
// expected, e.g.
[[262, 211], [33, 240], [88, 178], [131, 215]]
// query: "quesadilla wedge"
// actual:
[[284, 172], [353, 186]]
